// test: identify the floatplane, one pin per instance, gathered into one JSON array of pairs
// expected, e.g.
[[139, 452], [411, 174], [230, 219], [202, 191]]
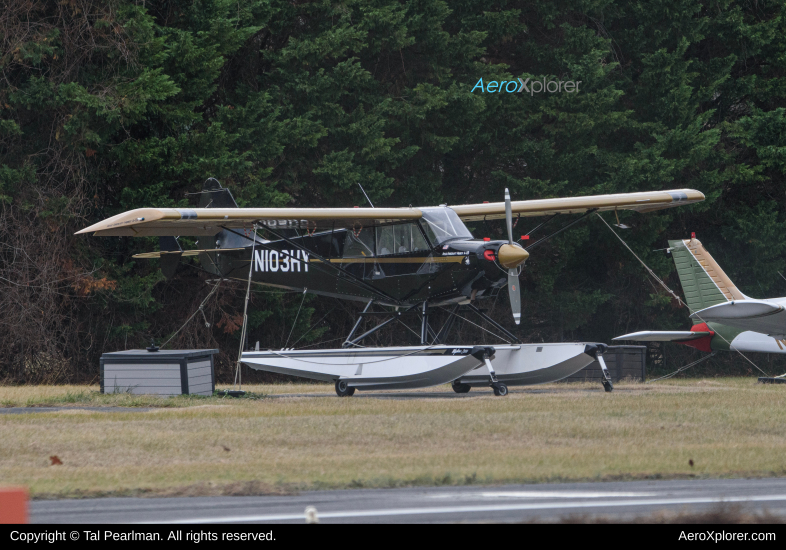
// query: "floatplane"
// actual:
[[402, 263]]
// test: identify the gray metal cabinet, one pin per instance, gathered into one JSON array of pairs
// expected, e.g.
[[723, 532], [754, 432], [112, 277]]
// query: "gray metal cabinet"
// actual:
[[164, 372]]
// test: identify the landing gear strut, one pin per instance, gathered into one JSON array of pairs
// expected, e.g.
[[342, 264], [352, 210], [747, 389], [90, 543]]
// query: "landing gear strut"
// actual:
[[343, 389], [596, 351], [485, 353], [607, 385]]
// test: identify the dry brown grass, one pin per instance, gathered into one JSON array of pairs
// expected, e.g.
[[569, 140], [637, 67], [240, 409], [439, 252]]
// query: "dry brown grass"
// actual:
[[728, 427], [65, 395]]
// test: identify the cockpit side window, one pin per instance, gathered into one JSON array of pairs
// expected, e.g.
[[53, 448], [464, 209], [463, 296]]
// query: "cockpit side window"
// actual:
[[360, 245], [418, 240], [400, 239], [386, 241], [402, 235]]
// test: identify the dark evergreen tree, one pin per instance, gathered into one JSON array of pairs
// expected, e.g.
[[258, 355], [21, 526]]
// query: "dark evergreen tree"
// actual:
[[108, 106]]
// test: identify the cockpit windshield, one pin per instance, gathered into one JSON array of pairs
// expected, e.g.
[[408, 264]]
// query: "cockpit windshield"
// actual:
[[442, 225]]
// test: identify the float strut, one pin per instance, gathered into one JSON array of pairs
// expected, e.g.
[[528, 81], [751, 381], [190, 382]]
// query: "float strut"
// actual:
[[424, 325], [495, 324], [346, 343], [396, 316], [443, 332]]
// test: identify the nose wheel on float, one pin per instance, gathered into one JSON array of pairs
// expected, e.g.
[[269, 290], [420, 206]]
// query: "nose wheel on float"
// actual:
[[485, 353], [607, 385], [597, 353], [343, 389]]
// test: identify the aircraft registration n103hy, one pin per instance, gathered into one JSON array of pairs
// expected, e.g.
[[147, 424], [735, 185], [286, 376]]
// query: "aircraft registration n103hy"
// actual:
[[409, 259]]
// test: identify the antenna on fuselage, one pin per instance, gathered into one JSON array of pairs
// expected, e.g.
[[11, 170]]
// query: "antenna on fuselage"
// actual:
[[364, 192]]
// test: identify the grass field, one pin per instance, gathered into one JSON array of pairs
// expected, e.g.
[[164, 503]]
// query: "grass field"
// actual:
[[274, 443]]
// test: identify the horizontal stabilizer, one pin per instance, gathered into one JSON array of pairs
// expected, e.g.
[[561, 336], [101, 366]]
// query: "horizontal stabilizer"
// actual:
[[157, 255], [663, 336], [742, 310], [761, 316]]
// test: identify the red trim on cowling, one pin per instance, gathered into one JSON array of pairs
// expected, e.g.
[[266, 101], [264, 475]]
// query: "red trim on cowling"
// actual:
[[701, 344]]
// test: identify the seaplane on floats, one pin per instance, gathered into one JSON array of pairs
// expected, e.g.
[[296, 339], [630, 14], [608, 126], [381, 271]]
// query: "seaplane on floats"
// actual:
[[724, 318], [402, 263]]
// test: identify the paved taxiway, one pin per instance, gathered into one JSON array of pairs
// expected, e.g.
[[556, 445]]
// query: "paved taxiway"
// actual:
[[508, 503]]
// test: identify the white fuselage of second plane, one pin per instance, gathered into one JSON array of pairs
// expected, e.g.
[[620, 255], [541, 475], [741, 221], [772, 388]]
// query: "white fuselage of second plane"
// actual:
[[767, 317], [757, 342]]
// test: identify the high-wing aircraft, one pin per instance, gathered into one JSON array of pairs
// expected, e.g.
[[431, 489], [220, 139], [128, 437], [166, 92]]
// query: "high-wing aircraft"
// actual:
[[409, 259], [724, 318]]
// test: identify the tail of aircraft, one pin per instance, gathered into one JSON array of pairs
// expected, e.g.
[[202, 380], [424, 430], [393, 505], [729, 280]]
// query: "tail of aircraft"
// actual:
[[727, 319], [704, 285], [703, 281]]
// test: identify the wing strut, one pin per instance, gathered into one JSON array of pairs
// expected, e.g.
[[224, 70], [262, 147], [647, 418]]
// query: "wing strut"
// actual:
[[531, 231], [561, 229], [238, 374]]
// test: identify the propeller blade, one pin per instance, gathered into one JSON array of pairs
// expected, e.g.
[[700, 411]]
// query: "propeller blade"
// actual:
[[515, 294], [509, 216], [513, 274]]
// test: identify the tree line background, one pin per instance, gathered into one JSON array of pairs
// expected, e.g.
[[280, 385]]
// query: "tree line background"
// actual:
[[111, 105]]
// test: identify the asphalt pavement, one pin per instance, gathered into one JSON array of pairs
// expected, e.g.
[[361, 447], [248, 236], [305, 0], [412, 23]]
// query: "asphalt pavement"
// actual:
[[508, 503]]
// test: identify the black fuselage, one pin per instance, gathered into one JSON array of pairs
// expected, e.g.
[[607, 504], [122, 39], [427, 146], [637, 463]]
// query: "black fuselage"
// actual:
[[395, 264]]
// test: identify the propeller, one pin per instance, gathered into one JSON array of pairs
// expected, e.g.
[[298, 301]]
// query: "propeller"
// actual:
[[510, 256]]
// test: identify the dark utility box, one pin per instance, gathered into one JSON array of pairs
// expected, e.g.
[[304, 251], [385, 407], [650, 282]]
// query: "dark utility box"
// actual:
[[165, 372], [622, 362]]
